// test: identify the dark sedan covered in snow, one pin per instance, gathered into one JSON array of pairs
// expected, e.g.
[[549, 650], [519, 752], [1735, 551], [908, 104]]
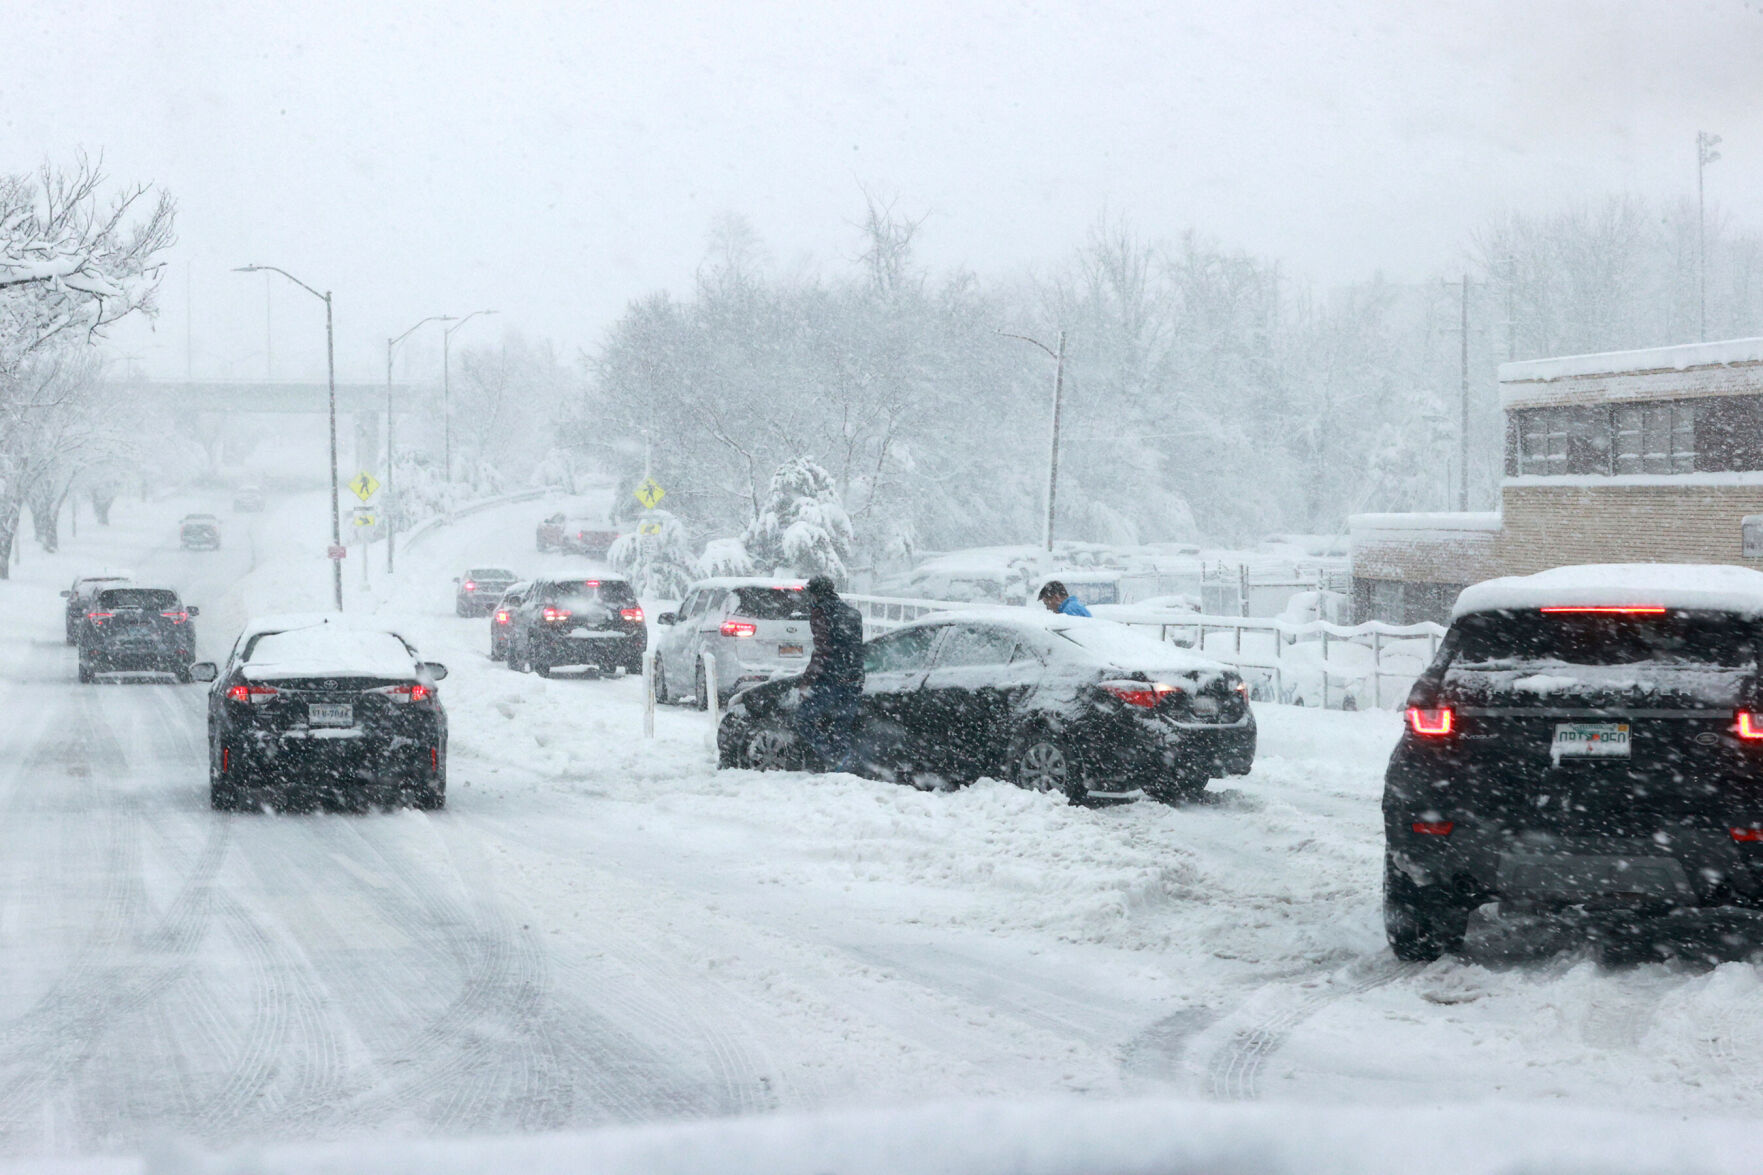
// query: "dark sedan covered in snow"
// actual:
[[315, 709], [1086, 708]]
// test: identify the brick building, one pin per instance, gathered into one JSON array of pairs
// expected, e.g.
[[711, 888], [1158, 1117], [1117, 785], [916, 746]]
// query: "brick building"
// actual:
[[1629, 457]]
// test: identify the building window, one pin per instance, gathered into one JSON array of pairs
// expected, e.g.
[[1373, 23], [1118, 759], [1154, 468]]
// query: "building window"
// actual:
[[1556, 441], [1656, 438], [1723, 434]]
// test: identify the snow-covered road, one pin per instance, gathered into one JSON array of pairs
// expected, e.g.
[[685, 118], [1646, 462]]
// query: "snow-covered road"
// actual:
[[603, 929]]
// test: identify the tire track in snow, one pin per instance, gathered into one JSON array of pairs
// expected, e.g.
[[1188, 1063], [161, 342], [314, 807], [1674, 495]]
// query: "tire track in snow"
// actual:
[[1233, 1070]]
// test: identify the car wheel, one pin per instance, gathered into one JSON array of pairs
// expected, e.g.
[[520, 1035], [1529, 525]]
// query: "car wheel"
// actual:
[[87, 676], [1422, 922], [1041, 761], [771, 747]]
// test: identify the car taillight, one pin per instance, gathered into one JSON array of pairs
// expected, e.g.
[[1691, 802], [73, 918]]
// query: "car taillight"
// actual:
[[739, 628], [246, 692], [405, 692], [470, 585], [176, 617], [634, 615], [1604, 609], [502, 616], [555, 614], [1747, 836], [1750, 725], [1140, 693], [1433, 827], [98, 618], [1436, 722]]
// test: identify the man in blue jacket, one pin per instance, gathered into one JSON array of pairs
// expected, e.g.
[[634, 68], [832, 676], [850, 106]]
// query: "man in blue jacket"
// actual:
[[832, 685], [1057, 599]]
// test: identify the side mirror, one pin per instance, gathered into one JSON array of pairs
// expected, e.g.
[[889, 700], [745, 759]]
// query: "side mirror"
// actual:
[[192, 610], [667, 618], [204, 671], [66, 594], [435, 670]]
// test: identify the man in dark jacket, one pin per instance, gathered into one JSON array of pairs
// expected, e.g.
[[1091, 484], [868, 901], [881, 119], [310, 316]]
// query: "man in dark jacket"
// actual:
[[832, 685]]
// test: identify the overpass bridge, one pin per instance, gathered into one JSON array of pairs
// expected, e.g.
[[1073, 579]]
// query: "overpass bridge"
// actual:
[[278, 398]]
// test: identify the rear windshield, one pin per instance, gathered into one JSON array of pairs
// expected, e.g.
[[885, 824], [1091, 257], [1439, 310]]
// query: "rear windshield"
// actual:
[[153, 598], [612, 592], [762, 603], [1512, 640], [490, 573], [329, 649]]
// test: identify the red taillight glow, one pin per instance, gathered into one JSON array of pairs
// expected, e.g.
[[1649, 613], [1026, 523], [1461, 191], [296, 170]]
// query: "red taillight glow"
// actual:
[[98, 618], [1433, 827], [226, 759], [502, 616], [470, 585], [1140, 693], [1750, 726], [246, 692], [1747, 836], [739, 628], [590, 583], [1431, 723], [556, 614], [176, 617], [634, 615], [410, 691], [1607, 609]]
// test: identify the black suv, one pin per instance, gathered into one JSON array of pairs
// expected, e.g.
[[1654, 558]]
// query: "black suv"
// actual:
[[587, 621], [136, 630], [79, 597], [199, 532], [311, 708], [1588, 738]]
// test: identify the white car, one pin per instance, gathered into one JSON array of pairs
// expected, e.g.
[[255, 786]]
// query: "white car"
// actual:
[[756, 629]]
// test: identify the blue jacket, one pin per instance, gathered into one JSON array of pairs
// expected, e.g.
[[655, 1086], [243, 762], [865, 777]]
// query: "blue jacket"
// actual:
[[1072, 608]]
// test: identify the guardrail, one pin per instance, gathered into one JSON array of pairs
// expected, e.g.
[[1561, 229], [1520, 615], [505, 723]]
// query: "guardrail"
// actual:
[[1350, 666], [429, 525]]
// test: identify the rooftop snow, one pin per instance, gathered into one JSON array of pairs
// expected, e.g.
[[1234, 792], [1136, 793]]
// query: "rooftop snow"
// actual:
[[1671, 585], [1437, 520], [330, 650], [1683, 357]]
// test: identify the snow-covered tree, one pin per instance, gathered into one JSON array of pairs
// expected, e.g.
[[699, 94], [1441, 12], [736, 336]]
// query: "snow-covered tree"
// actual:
[[802, 529], [724, 557], [659, 562]]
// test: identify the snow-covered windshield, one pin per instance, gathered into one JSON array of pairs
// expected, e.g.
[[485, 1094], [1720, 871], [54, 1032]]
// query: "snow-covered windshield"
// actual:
[[329, 649]]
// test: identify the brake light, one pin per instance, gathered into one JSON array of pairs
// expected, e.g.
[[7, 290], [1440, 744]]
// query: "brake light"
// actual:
[[405, 692], [556, 614], [590, 583], [246, 692], [98, 618], [1433, 827], [176, 617], [1750, 725], [1140, 693], [1747, 836], [739, 628], [1607, 609], [1433, 723], [502, 616], [634, 615], [470, 585]]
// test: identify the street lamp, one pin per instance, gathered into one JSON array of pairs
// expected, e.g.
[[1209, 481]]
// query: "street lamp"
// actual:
[[330, 358], [447, 403], [1058, 358], [391, 456]]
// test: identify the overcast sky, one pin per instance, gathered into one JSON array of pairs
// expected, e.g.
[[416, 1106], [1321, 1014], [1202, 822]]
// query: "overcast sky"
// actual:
[[554, 161]]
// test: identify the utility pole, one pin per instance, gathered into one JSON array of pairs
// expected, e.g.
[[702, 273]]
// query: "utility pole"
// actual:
[[1705, 154], [1463, 421], [1058, 404]]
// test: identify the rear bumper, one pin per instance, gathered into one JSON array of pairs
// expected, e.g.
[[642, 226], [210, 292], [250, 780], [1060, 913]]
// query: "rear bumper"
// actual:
[[162, 659], [1151, 757], [606, 648], [334, 760]]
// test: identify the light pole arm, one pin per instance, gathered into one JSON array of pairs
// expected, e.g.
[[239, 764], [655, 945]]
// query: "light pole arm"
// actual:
[[286, 274], [1051, 354]]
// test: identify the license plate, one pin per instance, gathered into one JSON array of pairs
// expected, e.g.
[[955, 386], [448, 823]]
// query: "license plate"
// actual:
[[789, 650], [1590, 740], [1206, 707], [330, 714]]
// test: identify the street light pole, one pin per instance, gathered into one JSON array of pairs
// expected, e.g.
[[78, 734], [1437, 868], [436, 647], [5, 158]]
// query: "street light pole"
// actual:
[[1705, 154], [330, 359], [391, 453], [447, 403], [1058, 403]]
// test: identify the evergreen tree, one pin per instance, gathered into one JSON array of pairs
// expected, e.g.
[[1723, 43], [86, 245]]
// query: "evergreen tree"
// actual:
[[802, 529]]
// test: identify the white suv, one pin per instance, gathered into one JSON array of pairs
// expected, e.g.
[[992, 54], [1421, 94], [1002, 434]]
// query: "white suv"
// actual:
[[757, 629]]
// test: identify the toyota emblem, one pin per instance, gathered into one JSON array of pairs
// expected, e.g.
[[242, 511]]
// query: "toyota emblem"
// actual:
[[330, 685]]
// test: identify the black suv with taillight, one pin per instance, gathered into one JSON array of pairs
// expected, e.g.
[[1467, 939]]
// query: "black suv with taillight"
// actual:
[[589, 622], [136, 630], [314, 710], [1589, 739]]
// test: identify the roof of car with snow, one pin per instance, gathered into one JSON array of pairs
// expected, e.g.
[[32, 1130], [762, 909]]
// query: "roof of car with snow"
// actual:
[[327, 649], [1105, 641], [1709, 587], [290, 621]]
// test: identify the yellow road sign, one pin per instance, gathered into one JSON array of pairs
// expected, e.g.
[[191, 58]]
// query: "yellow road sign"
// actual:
[[364, 484], [650, 493], [365, 520], [649, 528]]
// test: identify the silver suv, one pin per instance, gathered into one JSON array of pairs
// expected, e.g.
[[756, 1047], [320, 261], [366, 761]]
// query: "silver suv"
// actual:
[[756, 629]]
